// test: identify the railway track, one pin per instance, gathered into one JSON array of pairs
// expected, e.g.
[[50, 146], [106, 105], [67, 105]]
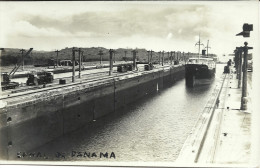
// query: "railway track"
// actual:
[[89, 78], [34, 90], [56, 82]]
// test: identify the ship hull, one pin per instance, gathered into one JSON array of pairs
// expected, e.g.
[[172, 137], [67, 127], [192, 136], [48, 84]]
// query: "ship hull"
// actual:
[[198, 74]]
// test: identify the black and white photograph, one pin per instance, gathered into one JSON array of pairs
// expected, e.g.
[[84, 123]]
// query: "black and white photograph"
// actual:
[[130, 83]]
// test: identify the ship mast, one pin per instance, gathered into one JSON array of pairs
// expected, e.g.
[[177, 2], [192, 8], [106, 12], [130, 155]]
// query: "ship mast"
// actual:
[[199, 44], [207, 48]]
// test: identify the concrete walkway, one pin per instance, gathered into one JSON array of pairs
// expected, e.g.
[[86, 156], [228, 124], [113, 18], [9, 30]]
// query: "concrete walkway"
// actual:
[[229, 136]]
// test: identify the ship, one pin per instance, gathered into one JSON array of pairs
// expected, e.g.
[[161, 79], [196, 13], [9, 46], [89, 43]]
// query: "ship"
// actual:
[[199, 71]]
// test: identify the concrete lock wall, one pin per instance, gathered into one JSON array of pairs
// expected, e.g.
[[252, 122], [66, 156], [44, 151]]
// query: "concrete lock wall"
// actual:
[[31, 124]]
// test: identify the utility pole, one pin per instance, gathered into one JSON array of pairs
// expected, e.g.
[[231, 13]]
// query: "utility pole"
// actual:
[[80, 51], [245, 33], [168, 57], [110, 61], [22, 50], [240, 66], [57, 51], [162, 58], [148, 54], [134, 59], [151, 56], [188, 57], [82, 57], [174, 56], [114, 56], [236, 59], [237, 62], [1, 49], [183, 56], [199, 44], [32, 58], [100, 54], [73, 63], [244, 87], [171, 57], [159, 57], [125, 55]]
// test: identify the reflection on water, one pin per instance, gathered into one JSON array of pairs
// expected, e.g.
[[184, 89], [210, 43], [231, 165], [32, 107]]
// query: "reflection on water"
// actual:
[[152, 129]]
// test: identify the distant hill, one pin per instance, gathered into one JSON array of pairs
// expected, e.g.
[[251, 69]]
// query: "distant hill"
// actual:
[[11, 56]]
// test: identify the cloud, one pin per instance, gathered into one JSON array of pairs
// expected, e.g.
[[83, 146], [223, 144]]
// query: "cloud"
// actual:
[[169, 36], [148, 24], [24, 28], [182, 22]]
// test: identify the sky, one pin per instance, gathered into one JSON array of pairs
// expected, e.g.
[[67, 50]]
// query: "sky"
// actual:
[[156, 25]]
